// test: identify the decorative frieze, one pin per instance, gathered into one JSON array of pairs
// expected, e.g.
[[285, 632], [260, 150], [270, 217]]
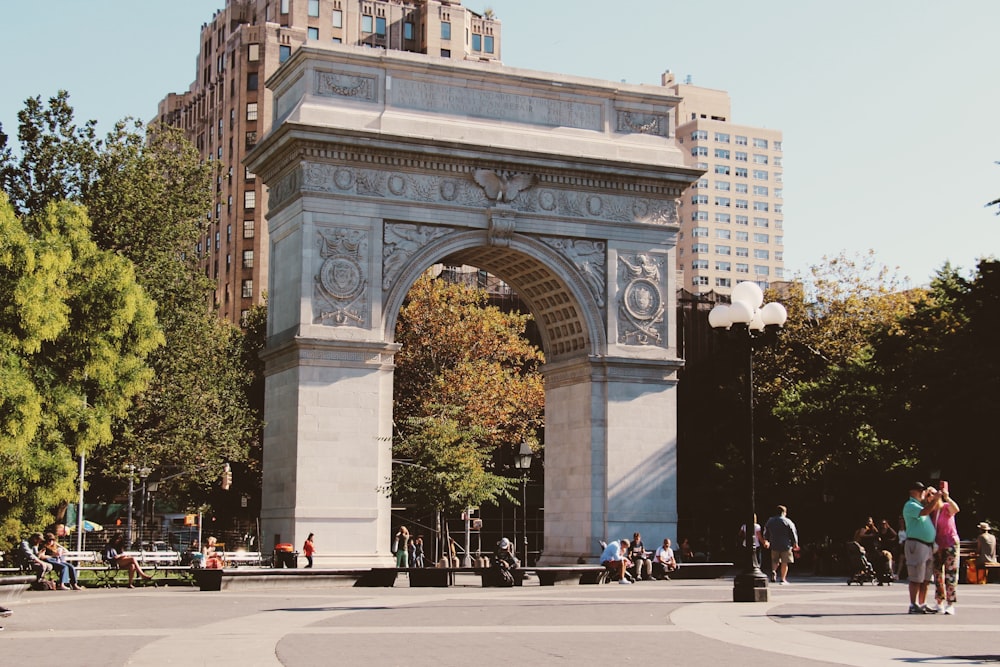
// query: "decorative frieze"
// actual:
[[341, 285], [640, 299], [484, 188]]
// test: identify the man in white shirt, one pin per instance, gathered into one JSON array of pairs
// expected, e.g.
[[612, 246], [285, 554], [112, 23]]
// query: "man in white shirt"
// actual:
[[664, 561]]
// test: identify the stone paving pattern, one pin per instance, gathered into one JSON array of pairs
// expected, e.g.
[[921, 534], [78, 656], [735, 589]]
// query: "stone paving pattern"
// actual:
[[811, 621]]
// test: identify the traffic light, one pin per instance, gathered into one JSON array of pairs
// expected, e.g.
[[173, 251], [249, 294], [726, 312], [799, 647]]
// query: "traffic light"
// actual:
[[227, 477]]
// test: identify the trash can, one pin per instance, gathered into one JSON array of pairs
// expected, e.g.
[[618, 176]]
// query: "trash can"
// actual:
[[284, 556]]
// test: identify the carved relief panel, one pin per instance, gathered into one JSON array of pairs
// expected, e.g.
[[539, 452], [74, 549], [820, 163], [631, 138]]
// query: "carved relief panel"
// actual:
[[641, 299], [340, 293]]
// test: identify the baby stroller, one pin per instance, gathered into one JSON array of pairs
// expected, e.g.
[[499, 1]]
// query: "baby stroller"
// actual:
[[863, 572]]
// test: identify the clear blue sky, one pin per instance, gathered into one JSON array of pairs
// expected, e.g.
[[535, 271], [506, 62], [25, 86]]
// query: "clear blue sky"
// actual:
[[889, 108]]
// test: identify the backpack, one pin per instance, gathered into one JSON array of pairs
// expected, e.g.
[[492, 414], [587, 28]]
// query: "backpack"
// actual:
[[43, 585]]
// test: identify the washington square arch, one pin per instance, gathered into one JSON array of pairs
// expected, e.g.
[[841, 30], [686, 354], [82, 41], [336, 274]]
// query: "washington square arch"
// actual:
[[382, 164]]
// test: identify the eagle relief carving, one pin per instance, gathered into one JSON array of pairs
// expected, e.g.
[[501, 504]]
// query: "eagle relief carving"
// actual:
[[502, 188]]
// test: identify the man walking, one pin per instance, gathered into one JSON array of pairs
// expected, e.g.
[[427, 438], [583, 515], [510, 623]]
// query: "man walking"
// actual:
[[780, 532], [919, 546]]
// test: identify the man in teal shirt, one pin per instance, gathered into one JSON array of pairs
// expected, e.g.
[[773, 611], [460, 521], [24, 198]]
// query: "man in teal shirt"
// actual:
[[919, 547]]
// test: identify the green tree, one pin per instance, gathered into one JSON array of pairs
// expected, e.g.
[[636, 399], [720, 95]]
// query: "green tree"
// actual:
[[942, 381], [147, 192], [467, 392], [75, 333]]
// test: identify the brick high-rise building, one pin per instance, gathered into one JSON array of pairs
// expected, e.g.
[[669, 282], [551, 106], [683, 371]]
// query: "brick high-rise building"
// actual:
[[227, 108], [731, 219]]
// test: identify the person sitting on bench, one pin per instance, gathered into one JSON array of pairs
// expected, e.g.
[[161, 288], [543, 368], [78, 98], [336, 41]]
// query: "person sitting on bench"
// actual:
[[27, 556], [114, 557], [616, 562]]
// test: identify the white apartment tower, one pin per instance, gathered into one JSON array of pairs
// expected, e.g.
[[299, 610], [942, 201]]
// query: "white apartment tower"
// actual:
[[227, 108], [731, 218]]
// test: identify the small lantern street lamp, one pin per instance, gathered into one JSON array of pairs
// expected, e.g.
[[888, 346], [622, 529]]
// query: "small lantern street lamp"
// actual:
[[751, 323], [523, 463]]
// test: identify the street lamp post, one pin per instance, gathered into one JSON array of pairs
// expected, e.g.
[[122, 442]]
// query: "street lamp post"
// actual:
[[143, 473], [523, 463], [752, 324]]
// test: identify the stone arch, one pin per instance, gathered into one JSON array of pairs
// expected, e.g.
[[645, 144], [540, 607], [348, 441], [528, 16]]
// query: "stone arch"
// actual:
[[566, 311], [381, 164]]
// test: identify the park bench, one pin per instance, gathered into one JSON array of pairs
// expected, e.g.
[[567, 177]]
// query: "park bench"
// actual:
[[13, 585], [220, 579]]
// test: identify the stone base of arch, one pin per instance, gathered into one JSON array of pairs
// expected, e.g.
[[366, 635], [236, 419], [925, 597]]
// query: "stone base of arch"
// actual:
[[610, 455]]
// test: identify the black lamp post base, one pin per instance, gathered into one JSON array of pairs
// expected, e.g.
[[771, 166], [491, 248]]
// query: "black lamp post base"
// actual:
[[750, 587]]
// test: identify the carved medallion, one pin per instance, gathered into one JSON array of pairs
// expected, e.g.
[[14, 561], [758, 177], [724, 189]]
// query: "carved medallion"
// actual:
[[640, 300], [341, 283]]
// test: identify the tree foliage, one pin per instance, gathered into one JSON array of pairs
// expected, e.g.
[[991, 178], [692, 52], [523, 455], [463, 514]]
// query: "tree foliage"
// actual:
[[466, 376], [75, 333], [147, 192]]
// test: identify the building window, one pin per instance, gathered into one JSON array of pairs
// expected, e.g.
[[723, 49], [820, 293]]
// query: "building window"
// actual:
[[248, 175], [742, 203], [248, 229], [742, 188], [252, 81], [314, 33], [253, 52], [722, 137], [445, 30], [760, 174], [699, 134], [722, 217], [252, 111], [477, 42], [408, 30], [722, 185], [777, 145], [758, 158], [741, 140], [251, 139], [742, 236], [759, 143], [742, 252], [722, 153], [284, 7], [446, 53], [700, 216], [250, 199], [284, 53], [761, 238], [699, 264], [248, 259], [742, 220], [760, 222], [761, 253], [699, 151], [722, 201], [380, 26], [699, 199], [247, 289], [741, 156], [218, 241], [314, 8], [723, 250], [742, 268], [777, 208], [338, 19], [723, 234], [488, 43], [723, 282], [700, 231], [699, 281], [741, 172], [760, 206], [366, 23], [779, 256], [779, 193], [723, 266], [699, 248], [760, 190], [779, 240], [761, 270]]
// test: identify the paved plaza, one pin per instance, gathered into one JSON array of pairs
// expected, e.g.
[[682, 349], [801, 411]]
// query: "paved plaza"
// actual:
[[808, 622]]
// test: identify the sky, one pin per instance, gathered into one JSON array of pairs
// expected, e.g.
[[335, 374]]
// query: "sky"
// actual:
[[889, 109]]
